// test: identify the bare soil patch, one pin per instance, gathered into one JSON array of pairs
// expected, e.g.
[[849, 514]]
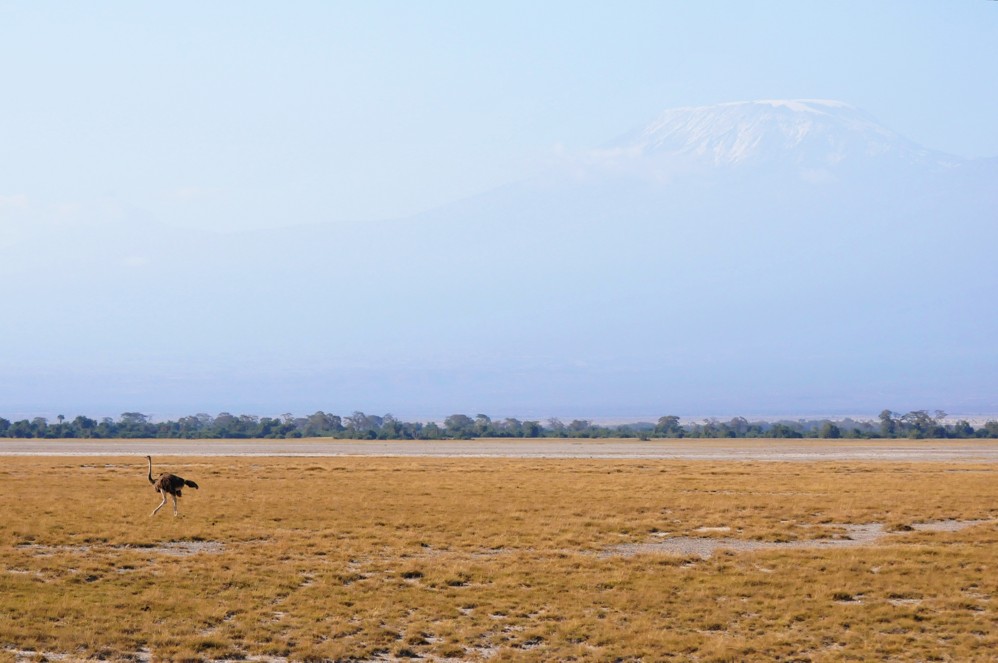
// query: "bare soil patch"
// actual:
[[621, 449], [705, 548], [181, 548]]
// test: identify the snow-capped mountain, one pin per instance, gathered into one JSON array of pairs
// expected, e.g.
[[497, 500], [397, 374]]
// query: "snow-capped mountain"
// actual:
[[814, 133]]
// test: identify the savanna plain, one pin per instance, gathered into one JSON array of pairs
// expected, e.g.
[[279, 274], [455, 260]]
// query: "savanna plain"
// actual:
[[381, 558]]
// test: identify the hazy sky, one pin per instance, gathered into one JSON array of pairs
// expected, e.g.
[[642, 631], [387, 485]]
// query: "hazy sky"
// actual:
[[232, 115]]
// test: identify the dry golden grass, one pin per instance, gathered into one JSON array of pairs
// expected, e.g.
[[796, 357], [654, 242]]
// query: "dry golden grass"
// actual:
[[380, 558]]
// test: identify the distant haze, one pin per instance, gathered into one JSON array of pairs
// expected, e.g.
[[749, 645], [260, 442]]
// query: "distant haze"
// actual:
[[754, 257]]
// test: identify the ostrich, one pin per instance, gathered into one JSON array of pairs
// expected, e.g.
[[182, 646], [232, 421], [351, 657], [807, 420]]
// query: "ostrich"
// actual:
[[168, 484]]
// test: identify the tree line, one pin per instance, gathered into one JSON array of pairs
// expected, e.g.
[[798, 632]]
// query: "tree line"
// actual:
[[917, 424]]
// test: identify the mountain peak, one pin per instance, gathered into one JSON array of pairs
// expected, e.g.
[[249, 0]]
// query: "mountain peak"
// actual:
[[805, 132], [797, 105]]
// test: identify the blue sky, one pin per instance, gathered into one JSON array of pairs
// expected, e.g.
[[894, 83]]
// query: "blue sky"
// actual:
[[235, 115]]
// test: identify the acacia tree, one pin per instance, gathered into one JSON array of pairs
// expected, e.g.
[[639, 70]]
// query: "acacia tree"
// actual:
[[362, 426], [483, 425], [918, 424], [459, 426], [669, 426], [829, 430], [888, 424]]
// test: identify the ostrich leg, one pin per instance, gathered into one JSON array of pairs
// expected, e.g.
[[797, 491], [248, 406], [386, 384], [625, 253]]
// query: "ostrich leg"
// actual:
[[160, 505]]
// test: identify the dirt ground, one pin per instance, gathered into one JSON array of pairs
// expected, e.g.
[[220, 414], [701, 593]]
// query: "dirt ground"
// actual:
[[984, 451]]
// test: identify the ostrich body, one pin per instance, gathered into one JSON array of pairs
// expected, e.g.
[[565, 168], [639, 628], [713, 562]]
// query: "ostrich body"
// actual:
[[168, 484]]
